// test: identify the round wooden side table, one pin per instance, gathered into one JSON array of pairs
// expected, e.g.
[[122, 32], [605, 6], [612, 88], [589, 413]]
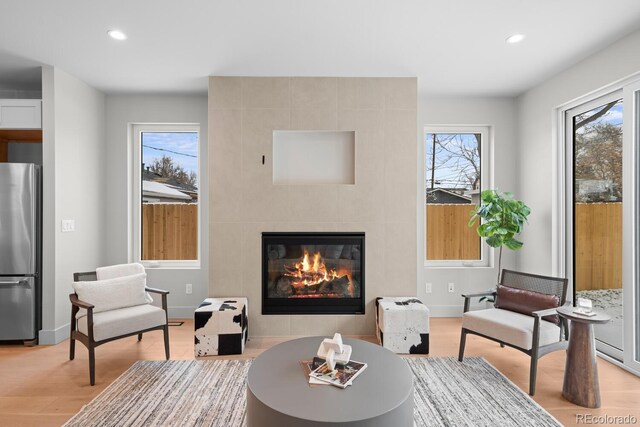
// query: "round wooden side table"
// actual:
[[580, 384]]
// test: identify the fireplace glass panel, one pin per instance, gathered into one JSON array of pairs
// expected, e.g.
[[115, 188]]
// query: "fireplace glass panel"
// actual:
[[313, 273]]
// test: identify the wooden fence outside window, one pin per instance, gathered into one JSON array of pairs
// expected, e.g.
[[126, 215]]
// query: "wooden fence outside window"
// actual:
[[598, 240], [169, 231]]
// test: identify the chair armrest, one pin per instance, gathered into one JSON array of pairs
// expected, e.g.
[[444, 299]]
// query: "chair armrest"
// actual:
[[545, 312], [78, 303], [157, 291], [549, 311], [163, 294], [487, 293], [467, 297]]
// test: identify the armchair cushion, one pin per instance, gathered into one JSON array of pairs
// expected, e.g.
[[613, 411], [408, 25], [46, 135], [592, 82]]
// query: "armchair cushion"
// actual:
[[120, 270], [510, 327], [112, 294], [526, 302], [114, 323]]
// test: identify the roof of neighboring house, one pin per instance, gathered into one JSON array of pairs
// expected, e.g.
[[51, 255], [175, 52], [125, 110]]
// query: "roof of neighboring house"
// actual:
[[440, 195], [157, 189]]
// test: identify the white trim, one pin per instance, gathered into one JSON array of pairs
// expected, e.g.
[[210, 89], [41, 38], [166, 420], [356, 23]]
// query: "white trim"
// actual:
[[452, 310], [486, 181], [53, 336], [630, 238], [558, 197], [181, 312], [134, 211]]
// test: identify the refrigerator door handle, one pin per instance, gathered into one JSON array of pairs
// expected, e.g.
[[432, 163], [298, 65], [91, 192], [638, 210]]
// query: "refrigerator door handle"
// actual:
[[14, 283]]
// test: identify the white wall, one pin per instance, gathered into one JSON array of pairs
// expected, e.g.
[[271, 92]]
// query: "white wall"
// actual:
[[500, 114], [123, 110], [536, 141], [73, 167]]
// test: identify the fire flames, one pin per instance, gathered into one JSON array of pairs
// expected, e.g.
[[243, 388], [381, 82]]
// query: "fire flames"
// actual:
[[312, 270]]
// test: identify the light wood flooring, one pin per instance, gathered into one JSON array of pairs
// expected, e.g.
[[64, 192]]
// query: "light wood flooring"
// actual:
[[40, 386]]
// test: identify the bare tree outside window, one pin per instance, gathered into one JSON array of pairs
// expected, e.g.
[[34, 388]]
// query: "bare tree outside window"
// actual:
[[453, 162], [598, 154]]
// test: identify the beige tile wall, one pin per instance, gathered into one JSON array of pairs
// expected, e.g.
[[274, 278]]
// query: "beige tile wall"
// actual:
[[243, 113]]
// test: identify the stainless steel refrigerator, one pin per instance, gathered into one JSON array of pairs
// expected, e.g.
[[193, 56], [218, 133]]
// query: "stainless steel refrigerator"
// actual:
[[20, 251]]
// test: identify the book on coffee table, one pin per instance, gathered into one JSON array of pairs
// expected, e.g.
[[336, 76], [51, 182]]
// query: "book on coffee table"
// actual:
[[311, 365], [342, 376]]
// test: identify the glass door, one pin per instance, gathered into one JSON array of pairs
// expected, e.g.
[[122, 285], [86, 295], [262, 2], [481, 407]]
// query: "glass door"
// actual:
[[595, 131]]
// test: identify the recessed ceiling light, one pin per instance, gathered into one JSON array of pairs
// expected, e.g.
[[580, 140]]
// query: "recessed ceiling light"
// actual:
[[117, 35], [516, 38]]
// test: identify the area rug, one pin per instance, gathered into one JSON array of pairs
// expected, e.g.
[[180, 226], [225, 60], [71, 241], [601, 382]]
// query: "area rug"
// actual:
[[472, 393], [213, 393]]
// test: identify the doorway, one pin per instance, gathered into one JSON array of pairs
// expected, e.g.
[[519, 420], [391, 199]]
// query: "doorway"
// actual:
[[595, 133]]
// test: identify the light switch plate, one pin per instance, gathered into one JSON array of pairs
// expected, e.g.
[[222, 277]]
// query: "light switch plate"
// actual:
[[427, 288], [68, 225], [451, 287]]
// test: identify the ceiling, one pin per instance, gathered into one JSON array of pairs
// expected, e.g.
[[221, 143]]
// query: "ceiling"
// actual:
[[454, 47]]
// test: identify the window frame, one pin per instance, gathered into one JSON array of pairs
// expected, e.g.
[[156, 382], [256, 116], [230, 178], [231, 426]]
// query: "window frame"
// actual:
[[135, 200], [486, 181]]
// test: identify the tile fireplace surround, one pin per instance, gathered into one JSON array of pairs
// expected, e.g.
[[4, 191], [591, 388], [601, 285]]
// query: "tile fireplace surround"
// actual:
[[243, 114]]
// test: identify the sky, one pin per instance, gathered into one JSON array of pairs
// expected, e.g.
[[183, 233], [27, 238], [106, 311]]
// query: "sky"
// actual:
[[185, 143], [613, 116], [447, 173]]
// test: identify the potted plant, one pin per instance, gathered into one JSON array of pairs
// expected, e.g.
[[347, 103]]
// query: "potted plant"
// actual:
[[502, 218]]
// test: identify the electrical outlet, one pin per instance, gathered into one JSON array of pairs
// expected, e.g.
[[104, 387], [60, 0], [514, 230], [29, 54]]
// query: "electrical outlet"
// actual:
[[427, 288], [189, 289], [451, 287]]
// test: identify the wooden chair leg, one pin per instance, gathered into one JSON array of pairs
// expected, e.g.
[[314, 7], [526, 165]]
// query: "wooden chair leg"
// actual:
[[92, 364], [139, 337], [166, 341], [463, 340], [72, 342], [532, 375], [72, 348]]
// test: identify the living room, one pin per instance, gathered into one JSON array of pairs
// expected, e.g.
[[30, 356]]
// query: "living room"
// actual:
[[343, 144]]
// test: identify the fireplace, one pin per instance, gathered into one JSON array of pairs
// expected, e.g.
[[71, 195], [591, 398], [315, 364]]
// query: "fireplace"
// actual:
[[313, 273]]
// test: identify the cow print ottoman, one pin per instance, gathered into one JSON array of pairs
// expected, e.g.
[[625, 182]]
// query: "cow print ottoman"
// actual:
[[402, 324], [221, 326]]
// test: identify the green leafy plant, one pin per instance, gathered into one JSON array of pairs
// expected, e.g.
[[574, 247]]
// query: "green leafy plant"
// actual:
[[502, 218]]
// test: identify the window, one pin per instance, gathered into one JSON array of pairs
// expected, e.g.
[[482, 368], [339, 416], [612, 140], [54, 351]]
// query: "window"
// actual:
[[456, 171], [166, 214]]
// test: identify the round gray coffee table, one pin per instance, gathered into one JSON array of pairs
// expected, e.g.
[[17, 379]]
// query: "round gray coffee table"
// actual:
[[580, 384], [278, 393]]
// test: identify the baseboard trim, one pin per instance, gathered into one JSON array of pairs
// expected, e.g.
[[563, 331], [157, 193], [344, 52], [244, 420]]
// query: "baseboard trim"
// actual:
[[181, 312], [53, 336], [451, 310]]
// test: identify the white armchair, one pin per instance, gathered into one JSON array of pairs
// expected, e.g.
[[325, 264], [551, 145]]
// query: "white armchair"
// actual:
[[112, 303]]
